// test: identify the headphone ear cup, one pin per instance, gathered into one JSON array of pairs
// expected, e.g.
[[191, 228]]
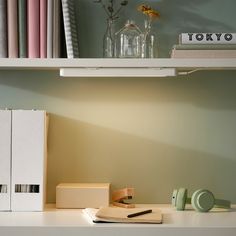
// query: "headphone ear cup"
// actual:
[[202, 200], [181, 198], [174, 196]]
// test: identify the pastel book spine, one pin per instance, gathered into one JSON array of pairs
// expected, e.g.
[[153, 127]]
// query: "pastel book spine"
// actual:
[[5, 159], [72, 47], [3, 28], [33, 28], [29, 129], [43, 28], [56, 29], [12, 28], [22, 19], [49, 27]]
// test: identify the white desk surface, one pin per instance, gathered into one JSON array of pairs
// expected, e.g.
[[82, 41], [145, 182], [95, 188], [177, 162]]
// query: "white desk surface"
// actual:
[[70, 222]]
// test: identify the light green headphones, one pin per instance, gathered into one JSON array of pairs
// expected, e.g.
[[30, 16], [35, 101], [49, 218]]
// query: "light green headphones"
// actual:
[[202, 200]]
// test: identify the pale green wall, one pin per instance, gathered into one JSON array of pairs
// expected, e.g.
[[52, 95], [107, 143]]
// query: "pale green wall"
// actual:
[[176, 16], [152, 134]]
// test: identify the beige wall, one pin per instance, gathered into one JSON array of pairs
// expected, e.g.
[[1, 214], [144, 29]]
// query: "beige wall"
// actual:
[[152, 134]]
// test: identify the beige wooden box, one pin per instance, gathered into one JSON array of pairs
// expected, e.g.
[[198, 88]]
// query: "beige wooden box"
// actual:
[[82, 195]]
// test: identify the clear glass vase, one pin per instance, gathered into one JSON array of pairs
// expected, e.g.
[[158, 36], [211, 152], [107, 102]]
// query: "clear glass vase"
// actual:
[[149, 41], [109, 39], [128, 41]]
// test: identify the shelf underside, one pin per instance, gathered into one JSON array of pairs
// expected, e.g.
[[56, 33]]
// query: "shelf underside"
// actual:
[[99, 67]]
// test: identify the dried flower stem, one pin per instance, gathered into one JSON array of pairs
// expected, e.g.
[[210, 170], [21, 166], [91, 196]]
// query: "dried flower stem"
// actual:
[[110, 8]]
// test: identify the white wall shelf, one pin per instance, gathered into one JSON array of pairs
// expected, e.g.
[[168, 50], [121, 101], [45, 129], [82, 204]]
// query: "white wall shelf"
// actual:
[[99, 67], [72, 222]]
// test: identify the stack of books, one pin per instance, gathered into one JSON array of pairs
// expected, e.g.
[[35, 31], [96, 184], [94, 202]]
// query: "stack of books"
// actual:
[[38, 29], [205, 45]]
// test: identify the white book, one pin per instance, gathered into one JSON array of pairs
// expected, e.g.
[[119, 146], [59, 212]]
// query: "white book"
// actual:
[[72, 46], [28, 160], [207, 38], [203, 53], [5, 159], [90, 214]]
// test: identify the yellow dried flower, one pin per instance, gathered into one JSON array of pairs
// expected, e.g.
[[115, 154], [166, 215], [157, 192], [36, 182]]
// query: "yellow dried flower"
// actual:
[[147, 10]]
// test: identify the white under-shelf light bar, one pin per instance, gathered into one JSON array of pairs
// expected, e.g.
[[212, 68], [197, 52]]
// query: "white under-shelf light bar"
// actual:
[[117, 72]]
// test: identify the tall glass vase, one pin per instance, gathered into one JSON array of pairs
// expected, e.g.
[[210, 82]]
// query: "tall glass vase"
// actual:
[[149, 41], [109, 39]]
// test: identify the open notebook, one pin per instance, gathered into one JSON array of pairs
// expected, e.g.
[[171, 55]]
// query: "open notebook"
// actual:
[[120, 215]]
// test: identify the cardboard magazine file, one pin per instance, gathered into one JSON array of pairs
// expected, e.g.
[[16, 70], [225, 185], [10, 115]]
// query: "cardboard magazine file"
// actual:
[[29, 131], [5, 159]]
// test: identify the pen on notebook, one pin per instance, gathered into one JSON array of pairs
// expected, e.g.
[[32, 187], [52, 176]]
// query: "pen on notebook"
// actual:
[[139, 213]]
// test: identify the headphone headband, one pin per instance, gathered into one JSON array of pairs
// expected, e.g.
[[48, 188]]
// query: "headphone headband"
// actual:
[[220, 203]]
